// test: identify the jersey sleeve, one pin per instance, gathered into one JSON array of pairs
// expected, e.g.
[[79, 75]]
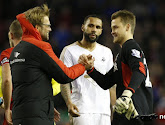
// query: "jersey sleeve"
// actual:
[[135, 59], [104, 81], [4, 57], [66, 57]]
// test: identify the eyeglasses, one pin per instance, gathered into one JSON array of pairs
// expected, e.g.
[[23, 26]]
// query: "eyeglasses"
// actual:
[[49, 25]]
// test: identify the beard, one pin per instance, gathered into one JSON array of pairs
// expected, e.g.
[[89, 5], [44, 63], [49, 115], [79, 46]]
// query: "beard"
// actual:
[[44, 37], [88, 39]]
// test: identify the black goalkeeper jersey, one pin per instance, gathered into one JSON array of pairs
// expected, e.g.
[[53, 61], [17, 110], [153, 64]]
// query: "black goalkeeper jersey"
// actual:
[[129, 72]]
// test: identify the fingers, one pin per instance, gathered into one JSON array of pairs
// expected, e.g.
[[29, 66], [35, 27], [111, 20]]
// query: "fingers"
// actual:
[[83, 59], [8, 116], [87, 61], [122, 105], [74, 114], [56, 115], [74, 111], [56, 112], [131, 113]]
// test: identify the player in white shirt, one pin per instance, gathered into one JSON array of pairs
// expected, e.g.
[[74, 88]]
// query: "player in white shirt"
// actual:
[[87, 102]]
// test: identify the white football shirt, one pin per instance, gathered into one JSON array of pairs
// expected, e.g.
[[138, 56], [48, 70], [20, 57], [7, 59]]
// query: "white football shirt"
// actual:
[[86, 94]]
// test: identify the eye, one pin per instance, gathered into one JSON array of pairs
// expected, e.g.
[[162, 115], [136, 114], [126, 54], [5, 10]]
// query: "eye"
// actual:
[[98, 27], [91, 25], [114, 27]]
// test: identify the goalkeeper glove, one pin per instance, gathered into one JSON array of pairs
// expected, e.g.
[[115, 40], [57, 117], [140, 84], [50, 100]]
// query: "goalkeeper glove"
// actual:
[[123, 102], [131, 112]]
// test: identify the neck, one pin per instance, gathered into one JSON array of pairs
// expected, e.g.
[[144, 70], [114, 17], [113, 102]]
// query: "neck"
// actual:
[[87, 45], [127, 37], [16, 42]]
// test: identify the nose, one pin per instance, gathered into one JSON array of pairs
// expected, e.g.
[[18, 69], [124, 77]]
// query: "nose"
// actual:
[[94, 29], [50, 29], [112, 32]]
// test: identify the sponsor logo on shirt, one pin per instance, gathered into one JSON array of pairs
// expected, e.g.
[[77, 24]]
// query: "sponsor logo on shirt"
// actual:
[[135, 53], [103, 59], [16, 54]]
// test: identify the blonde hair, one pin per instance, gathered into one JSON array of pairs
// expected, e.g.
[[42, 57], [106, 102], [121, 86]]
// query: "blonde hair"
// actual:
[[36, 14], [15, 29], [126, 17]]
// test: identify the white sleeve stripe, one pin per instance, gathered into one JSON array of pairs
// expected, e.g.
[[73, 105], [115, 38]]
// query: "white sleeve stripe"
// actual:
[[5, 60]]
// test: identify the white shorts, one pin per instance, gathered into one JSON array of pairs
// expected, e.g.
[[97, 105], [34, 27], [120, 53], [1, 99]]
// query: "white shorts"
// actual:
[[92, 119]]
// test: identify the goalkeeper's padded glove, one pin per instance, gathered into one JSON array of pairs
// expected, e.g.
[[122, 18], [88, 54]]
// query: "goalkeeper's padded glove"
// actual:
[[123, 102], [131, 112]]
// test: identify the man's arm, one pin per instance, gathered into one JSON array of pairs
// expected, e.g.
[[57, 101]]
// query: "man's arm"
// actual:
[[104, 81], [7, 90], [112, 91], [65, 91]]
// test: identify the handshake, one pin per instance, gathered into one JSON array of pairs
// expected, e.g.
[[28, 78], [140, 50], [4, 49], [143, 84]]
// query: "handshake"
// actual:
[[87, 61]]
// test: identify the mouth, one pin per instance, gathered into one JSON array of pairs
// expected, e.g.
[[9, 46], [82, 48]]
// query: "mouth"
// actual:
[[93, 35]]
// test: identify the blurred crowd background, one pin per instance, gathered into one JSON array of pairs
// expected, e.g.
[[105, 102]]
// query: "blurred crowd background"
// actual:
[[66, 18]]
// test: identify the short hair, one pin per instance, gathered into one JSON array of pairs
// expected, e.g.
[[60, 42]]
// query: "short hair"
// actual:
[[36, 14], [92, 15], [15, 29], [126, 17]]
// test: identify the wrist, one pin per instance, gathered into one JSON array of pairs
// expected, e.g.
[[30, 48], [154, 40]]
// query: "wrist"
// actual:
[[90, 70], [127, 93], [68, 103]]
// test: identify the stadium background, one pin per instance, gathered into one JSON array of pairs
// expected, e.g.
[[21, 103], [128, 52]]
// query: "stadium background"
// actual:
[[66, 18]]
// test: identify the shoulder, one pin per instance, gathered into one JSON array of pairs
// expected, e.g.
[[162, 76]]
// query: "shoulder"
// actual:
[[131, 47], [131, 44], [70, 48], [6, 53], [40, 44]]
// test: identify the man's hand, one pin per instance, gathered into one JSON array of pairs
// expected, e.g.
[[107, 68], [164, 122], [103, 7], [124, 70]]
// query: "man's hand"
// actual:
[[87, 61], [73, 110], [123, 102], [56, 115], [131, 112], [8, 116]]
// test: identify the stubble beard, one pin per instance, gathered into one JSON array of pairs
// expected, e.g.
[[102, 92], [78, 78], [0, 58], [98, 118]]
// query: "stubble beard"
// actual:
[[88, 39]]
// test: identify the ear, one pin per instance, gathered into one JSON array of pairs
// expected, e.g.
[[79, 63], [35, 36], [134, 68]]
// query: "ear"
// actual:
[[101, 31], [82, 27], [37, 27], [128, 27], [11, 35]]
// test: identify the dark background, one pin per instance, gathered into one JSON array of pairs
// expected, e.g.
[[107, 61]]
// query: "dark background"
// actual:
[[66, 18]]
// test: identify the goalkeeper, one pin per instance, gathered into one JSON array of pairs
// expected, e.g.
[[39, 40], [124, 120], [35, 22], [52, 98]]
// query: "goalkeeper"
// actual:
[[130, 73]]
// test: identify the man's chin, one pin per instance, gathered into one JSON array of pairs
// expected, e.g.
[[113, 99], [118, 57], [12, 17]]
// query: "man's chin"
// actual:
[[45, 39]]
